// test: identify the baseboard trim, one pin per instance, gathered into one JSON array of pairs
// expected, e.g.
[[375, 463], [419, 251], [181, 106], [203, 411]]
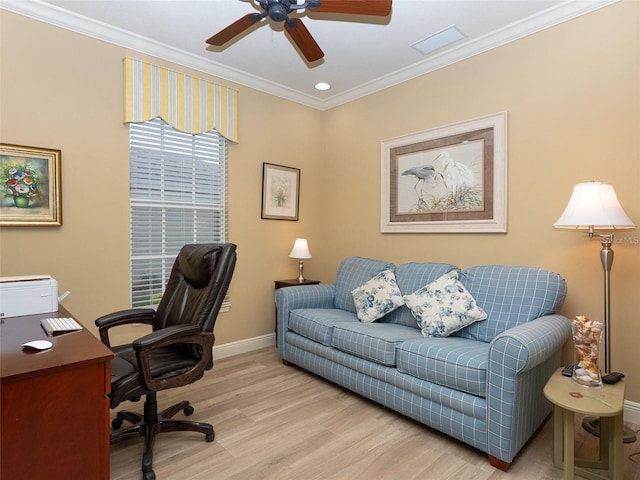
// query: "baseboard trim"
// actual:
[[632, 412], [244, 346], [631, 409]]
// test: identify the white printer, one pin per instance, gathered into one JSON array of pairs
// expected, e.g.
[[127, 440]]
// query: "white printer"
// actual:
[[28, 295]]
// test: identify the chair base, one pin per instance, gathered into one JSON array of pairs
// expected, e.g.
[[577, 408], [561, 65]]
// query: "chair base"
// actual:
[[151, 424]]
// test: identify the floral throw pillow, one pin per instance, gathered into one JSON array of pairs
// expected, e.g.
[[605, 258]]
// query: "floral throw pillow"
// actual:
[[444, 306], [377, 297]]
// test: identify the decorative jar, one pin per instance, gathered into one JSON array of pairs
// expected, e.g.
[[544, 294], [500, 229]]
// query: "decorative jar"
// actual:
[[587, 338]]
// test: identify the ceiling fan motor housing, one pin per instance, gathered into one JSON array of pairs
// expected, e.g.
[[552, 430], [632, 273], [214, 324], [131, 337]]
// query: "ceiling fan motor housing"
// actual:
[[276, 9], [277, 12]]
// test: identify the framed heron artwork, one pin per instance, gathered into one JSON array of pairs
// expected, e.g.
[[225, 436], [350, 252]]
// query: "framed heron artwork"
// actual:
[[446, 179], [280, 192], [31, 194]]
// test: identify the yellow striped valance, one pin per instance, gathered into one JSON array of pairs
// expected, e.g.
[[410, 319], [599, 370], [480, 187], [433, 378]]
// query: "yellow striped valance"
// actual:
[[187, 103]]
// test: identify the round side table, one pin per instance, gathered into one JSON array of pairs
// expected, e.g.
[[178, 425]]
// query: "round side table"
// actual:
[[569, 398]]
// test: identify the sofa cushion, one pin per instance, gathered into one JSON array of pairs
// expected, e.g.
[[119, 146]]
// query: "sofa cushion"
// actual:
[[410, 277], [372, 341], [444, 306], [377, 297], [457, 363], [511, 296], [318, 323], [352, 273]]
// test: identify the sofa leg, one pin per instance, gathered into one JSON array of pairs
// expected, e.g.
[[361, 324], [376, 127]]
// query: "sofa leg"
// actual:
[[285, 362], [499, 464]]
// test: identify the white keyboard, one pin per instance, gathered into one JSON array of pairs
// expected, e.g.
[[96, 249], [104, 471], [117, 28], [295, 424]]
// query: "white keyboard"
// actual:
[[58, 325]]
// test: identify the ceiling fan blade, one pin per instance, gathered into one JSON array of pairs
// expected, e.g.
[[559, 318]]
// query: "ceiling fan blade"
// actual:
[[380, 8], [303, 39], [236, 28]]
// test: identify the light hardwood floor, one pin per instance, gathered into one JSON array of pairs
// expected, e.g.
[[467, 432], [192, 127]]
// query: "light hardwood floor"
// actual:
[[279, 422]]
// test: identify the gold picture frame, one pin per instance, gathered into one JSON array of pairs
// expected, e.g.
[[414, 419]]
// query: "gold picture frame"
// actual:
[[31, 190], [449, 179], [280, 192]]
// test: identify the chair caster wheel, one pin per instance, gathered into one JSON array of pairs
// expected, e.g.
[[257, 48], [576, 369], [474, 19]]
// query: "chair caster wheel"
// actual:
[[147, 471], [117, 423], [210, 437], [189, 410]]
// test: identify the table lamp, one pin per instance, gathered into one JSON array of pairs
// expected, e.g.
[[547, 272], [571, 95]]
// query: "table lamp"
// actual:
[[300, 251], [594, 206]]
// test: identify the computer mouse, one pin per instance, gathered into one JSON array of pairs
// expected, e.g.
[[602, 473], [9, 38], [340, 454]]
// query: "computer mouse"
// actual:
[[38, 344]]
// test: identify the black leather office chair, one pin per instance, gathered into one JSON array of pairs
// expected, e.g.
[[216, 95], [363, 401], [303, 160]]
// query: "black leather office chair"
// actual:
[[177, 352]]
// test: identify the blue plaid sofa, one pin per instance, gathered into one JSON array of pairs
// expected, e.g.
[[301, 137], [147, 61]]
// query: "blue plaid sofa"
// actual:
[[481, 385]]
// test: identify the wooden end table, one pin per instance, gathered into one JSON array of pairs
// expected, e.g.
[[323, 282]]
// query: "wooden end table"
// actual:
[[294, 282], [569, 398]]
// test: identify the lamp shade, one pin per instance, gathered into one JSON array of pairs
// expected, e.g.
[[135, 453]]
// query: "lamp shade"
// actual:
[[594, 205], [300, 249]]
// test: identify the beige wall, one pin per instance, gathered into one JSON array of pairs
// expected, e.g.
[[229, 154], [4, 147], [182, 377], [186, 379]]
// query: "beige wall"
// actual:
[[572, 94], [64, 90]]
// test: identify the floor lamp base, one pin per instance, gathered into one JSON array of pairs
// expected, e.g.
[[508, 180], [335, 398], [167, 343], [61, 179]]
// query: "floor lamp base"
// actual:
[[592, 425]]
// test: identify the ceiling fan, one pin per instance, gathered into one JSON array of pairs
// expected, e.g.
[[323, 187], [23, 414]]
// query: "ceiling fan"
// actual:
[[279, 10]]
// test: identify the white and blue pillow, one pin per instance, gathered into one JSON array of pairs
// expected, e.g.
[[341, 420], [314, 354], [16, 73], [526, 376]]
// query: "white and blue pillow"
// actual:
[[377, 297], [444, 306]]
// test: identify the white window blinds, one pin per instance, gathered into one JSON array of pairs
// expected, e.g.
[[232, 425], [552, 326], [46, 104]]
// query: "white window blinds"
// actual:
[[177, 195]]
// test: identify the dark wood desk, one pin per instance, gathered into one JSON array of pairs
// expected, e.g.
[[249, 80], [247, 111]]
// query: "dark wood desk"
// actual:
[[54, 405]]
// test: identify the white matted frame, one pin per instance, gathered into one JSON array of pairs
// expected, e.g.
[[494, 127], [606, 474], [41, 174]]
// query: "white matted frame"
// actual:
[[450, 179]]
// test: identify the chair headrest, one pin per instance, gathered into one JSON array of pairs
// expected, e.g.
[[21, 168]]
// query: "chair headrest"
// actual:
[[197, 263]]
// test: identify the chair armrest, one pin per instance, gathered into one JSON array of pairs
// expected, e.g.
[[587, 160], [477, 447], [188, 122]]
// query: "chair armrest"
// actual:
[[176, 335], [302, 296], [123, 317], [521, 361], [165, 336]]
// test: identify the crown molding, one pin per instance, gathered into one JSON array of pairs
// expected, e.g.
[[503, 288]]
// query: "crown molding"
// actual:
[[59, 17], [563, 12], [51, 14]]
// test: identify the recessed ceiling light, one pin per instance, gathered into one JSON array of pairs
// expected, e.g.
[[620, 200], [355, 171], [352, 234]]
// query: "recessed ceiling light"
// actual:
[[438, 40], [322, 86]]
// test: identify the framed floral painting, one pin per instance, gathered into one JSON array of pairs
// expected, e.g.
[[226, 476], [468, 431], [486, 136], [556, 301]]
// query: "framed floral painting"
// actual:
[[280, 192], [31, 194]]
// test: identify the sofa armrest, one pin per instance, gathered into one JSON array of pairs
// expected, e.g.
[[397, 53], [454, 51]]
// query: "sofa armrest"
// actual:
[[524, 347], [521, 360], [302, 296]]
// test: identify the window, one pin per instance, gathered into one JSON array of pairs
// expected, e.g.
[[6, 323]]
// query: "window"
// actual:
[[177, 195]]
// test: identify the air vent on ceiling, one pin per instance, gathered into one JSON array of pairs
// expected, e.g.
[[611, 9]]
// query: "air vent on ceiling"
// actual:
[[439, 40]]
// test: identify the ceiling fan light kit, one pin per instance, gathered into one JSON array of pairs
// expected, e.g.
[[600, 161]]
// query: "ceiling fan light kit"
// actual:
[[279, 10]]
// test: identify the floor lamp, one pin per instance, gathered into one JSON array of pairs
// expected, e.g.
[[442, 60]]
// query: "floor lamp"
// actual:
[[594, 206]]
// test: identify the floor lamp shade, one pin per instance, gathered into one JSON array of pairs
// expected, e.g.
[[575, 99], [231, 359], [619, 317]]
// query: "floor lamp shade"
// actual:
[[594, 205]]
